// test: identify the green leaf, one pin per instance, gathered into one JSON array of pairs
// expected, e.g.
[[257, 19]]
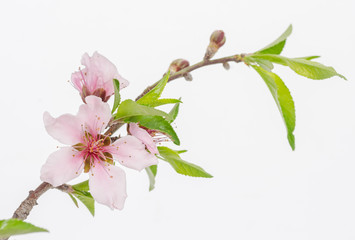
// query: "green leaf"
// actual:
[[174, 112], [10, 227], [265, 64], [180, 151], [283, 101], [129, 108], [74, 200], [86, 199], [156, 123], [152, 172], [154, 94], [181, 166], [83, 186], [117, 100], [308, 57], [164, 101], [276, 46], [301, 66]]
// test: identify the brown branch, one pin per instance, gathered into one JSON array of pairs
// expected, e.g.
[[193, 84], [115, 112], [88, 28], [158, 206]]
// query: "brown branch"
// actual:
[[235, 58], [26, 206]]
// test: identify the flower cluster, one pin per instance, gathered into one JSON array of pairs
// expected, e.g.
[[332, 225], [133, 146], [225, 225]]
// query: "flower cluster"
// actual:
[[89, 149]]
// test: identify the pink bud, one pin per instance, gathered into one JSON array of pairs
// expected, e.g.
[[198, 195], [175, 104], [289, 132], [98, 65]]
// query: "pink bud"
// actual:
[[178, 65], [217, 40]]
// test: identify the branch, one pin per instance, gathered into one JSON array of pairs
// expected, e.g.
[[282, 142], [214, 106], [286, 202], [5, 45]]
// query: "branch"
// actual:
[[234, 58], [26, 206]]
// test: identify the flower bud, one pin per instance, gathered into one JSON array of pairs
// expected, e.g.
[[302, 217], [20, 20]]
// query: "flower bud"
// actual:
[[178, 65], [188, 77], [217, 40]]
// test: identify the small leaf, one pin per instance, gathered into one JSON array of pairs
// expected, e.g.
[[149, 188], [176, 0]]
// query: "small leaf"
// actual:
[[174, 112], [283, 101], [83, 186], [276, 46], [86, 199], [117, 100], [152, 172], [74, 200], [10, 227], [156, 123], [301, 66], [164, 101], [154, 94], [180, 165], [129, 108]]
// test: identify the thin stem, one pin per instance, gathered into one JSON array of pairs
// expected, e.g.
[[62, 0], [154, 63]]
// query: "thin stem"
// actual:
[[234, 58]]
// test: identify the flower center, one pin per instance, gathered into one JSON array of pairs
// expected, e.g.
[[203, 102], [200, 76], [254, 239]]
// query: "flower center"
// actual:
[[94, 149]]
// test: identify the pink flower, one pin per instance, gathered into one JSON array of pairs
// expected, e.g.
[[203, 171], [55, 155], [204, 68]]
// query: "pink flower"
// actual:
[[91, 151], [146, 136], [97, 77]]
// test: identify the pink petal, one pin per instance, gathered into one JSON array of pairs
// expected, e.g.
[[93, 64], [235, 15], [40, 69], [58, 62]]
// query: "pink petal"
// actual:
[[95, 114], [66, 128], [61, 167], [76, 79], [144, 136], [108, 185], [131, 152]]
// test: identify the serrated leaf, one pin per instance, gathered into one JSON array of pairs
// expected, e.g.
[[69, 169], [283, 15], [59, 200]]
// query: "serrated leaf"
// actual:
[[156, 123], [86, 199], [11, 227], [164, 101], [152, 172], [154, 94], [174, 112], [74, 200], [129, 108], [180, 165], [301, 66], [276, 46], [83, 186], [117, 99], [283, 100]]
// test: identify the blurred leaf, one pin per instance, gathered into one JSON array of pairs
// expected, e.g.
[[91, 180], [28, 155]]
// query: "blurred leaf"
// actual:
[[74, 200], [129, 108], [152, 172], [174, 112], [276, 46], [156, 123], [180, 151], [283, 101], [309, 57], [83, 186], [180, 165], [164, 101], [149, 98], [86, 199], [10, 227], [301, 66], [117, 100]]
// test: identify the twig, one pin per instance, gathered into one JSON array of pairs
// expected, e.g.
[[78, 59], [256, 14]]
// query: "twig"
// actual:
[[27, 205]]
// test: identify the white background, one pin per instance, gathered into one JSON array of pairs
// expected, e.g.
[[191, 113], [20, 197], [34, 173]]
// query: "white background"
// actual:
[[229, 122]]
